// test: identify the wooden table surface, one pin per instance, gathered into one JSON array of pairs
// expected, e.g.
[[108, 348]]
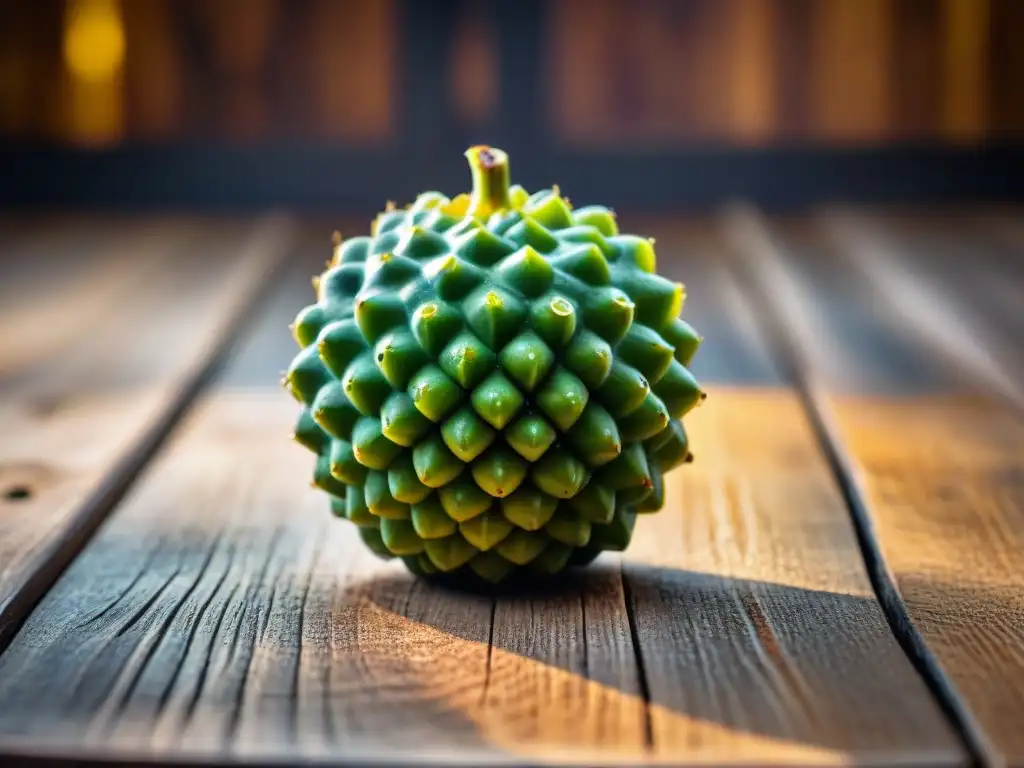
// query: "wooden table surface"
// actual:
[[838, 578]]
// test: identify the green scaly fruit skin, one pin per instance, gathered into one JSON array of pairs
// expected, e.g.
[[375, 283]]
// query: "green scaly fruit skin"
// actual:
[[494, 385]]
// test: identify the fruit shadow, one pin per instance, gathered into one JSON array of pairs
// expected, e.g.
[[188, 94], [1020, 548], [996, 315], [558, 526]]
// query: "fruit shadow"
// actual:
[[703, 660]]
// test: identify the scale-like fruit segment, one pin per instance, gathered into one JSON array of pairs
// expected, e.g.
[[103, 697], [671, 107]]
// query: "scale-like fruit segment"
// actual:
[[494, 384]]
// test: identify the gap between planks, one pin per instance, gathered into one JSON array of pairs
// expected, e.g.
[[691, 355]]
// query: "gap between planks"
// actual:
[[221, 612], [241, 618], [79, 430], [938, 525]]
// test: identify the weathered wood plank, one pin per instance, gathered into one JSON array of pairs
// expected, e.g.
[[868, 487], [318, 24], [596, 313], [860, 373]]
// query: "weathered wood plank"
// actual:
[[360, 623], [777, 650], [78, 423], [220, 611], [245, 619], [690, 252], [64, 286], [37, 249], [936, 467], [977, 268], [563, 680], [960, 296]]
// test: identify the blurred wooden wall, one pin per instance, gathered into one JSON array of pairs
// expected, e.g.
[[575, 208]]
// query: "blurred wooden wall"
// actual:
[[760, 71], [620, 72]]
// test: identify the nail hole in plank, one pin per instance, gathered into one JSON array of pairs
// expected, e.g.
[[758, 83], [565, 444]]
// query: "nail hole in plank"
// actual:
[[18, 493]]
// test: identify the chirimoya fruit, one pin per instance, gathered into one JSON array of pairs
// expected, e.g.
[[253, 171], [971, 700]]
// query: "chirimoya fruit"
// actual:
[[494, 384]]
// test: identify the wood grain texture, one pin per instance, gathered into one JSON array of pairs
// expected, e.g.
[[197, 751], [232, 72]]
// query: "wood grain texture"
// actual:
[[965, 63], [733, 351], [938, 466], [1006, 69], [67, 294], [778, 651], [156, 85], [237, 616], [220, 611], [244, 618], [473, 67], [794, 79], [663, 71], [579, 88], [754, 42], [852, 52], [918, 54], [349, 50], [40, 250], [945, 479], [973, 316], [77, 421], [934, 250]]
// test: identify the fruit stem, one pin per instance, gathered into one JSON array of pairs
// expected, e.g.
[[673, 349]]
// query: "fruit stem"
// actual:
[[490, 180]]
